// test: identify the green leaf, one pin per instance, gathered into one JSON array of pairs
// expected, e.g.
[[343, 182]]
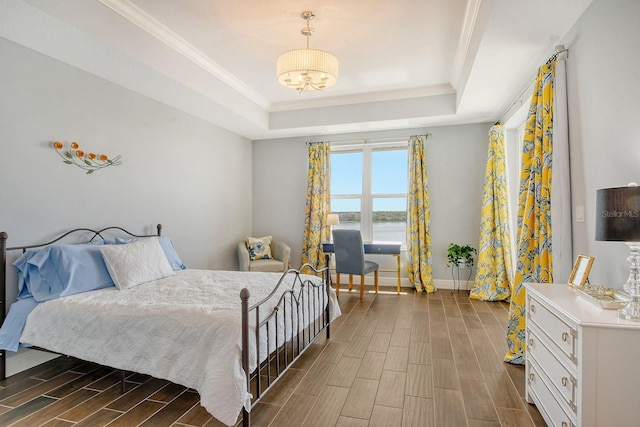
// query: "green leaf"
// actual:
[[68, 154], [69, 162], [89, 171], [87, 162]]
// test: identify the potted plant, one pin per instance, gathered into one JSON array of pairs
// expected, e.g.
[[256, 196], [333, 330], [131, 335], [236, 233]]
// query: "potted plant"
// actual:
[[460, 256]]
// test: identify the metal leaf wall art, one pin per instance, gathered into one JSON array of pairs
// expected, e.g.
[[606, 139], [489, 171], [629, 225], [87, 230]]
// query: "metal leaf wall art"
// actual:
[[88, 161]]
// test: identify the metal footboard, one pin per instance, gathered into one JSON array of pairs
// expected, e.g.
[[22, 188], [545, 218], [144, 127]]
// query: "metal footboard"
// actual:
[[297, 319]]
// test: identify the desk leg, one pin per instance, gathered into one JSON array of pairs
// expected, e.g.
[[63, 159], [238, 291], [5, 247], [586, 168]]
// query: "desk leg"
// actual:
[[398, 259]]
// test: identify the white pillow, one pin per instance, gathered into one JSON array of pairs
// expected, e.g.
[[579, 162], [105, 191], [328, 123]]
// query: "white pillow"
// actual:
[[135, 263]]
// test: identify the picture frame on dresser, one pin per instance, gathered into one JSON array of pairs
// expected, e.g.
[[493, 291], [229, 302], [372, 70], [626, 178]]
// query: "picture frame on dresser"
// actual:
[[580, 271]]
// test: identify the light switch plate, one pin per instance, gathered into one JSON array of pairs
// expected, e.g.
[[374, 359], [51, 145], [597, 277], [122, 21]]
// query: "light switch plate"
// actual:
[[579, 213]]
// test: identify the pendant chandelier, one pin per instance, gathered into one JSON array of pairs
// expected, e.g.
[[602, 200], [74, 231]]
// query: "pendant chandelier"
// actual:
[[307, 69]]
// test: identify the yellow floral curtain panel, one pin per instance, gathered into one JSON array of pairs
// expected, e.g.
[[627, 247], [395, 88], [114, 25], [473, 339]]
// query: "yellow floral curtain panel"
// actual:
[[534, 262], [494, 255], [418, 216], [318, 204]]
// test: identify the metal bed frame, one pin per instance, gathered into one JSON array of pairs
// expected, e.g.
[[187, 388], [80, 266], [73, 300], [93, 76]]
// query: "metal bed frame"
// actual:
[[309, 302]]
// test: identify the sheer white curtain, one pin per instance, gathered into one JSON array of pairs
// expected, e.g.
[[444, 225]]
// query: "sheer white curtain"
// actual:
[[561, 241]]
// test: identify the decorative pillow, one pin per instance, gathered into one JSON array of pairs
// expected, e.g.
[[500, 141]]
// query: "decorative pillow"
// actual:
[[135, 263], [259, 247], [167, 247]]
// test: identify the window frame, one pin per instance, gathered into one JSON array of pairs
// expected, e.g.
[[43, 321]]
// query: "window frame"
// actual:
[[366, 197]]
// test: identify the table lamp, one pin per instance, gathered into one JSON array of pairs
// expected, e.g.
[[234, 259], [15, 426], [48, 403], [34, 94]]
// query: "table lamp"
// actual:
[[618, 220], [332, 219]]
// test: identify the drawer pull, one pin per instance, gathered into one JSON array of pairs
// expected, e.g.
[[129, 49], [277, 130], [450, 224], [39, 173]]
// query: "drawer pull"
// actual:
[[531, 377], [532, 308], [530, 342], [564, 424], [565, 336], [565, 381]]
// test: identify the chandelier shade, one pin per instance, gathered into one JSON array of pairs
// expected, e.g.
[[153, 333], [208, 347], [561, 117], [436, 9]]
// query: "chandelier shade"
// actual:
[[307, 69]]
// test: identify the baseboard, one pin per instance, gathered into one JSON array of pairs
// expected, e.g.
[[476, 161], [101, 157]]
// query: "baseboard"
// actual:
[[450, 284], [26, 358], [392, 282]]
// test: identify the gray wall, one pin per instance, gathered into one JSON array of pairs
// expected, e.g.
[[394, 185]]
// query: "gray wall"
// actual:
[[603, 92], [191, 176], [206, 187], [456, 160]]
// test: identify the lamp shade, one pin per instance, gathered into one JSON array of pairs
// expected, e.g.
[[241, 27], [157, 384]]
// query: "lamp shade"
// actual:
[[333, 219], [618, 214], [307, 69]]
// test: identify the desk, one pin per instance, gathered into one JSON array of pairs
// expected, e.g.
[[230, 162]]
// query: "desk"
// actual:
[[375, 248]]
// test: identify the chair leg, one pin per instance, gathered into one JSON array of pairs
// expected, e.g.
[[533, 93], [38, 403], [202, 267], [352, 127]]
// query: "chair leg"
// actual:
[[362, 286], [351, 282], [337, 284], [375, 280]]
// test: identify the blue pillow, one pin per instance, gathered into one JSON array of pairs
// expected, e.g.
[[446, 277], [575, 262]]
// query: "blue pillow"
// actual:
[[172, 255], [100, 241], [23, 273], [60, 270]]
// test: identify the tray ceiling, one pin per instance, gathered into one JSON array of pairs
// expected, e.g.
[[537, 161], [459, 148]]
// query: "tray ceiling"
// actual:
[[407, 63]]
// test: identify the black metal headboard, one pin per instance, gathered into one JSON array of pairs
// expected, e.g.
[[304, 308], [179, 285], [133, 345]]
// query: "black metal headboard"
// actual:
[[92, 234]]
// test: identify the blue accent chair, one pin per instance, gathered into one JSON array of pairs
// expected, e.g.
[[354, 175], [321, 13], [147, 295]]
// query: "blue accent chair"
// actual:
[[349, 253]]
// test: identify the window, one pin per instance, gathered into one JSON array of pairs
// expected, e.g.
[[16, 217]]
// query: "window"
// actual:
[[369, 189], [514, 139]]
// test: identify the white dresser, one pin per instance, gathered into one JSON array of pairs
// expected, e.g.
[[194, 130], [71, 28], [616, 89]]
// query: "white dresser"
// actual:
[[583, 363]]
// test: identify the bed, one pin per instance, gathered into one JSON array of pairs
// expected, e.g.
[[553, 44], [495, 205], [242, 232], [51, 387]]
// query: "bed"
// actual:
[[129, 303]]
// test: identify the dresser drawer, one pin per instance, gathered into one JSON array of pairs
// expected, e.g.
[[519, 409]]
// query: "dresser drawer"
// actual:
[[562, 378], [544, 398], [559, 331]]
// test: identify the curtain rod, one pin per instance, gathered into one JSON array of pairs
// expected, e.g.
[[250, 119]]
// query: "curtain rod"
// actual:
[[559, 50], [370, 140]]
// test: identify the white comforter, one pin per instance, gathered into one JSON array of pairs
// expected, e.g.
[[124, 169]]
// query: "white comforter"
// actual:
[[184, 328]]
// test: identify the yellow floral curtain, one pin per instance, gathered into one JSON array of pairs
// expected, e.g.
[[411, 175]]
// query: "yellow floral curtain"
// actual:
[[317, 205], [418, 217], [494, 253], [534, 209]]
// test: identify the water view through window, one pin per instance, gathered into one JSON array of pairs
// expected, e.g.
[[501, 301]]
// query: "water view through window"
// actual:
[[369, 190], [383, 231]]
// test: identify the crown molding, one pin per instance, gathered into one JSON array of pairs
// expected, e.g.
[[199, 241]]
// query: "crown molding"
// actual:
[[392, 95], [154, 27], [466, 36]]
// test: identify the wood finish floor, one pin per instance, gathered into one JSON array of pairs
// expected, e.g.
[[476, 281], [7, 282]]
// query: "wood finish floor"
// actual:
[[408, 360]]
